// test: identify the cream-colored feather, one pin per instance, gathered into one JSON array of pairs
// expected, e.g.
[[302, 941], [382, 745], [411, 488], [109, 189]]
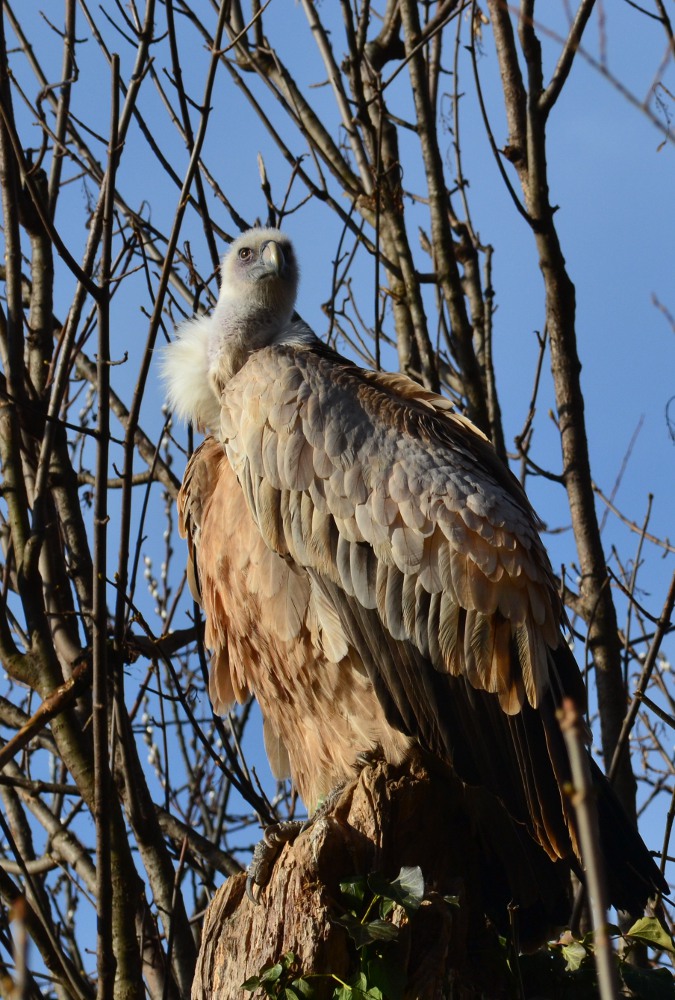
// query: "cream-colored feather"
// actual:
[[184, 368]]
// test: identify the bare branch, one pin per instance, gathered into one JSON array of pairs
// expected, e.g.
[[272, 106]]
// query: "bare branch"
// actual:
[[550, 95], [583, 800]]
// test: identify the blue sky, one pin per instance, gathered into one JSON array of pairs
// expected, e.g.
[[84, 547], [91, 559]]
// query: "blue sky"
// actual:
[[609, 173], [616, 221]]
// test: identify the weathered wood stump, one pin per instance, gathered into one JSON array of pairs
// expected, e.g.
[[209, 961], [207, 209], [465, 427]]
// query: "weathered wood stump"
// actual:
[[387, 818]]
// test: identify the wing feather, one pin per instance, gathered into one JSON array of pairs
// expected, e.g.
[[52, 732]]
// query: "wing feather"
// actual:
[[363, 573], [407, 546], [424, 546], [393, 602], [298, 458], [344, 549]]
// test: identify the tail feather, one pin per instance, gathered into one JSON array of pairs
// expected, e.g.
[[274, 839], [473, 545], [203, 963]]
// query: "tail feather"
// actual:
[[633, 877]]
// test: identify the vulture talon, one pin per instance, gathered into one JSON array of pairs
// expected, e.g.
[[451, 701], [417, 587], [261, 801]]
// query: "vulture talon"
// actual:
[[250, 887], [268, 848], [266, 852]]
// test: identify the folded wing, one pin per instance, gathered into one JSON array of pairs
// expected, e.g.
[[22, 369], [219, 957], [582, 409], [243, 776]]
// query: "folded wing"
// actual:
[[426, 550]]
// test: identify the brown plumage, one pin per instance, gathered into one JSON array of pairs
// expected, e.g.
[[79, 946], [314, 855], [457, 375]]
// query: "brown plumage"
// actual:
[[369, 569], [264, 629]]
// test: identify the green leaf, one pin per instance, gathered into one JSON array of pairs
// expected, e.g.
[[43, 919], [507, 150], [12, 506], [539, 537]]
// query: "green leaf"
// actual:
[[387, 975], [649, 930], [304, 987], [407, 888], [299, 989], [381, 886], [574, 954], [364, 934], [380, 930], [411, 882], [361, 989], [251, 984], [354, 890], [272, 974], [343, 993]]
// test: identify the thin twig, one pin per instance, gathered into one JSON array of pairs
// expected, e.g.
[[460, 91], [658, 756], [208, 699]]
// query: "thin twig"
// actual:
[[650, 661], [583, 799]]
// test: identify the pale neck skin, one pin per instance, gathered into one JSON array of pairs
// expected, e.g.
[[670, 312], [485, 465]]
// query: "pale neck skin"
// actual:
[[240, 326]]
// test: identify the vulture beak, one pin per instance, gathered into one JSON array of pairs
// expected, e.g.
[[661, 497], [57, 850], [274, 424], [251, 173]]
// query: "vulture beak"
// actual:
[[272, 258]]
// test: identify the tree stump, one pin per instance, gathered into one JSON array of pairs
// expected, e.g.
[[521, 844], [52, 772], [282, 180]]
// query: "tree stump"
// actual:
[[387, 818]]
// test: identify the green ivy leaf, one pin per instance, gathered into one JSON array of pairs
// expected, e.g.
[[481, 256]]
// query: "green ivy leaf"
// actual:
[[379, 885], [411, 882], [343, 993], [354, 890], [364, 934], [386, 974], [251, 984], [574, 954], [303, 987], [407, 888], [362, 991], [649, 930], [272, 974], [299, 989], [380, 930]]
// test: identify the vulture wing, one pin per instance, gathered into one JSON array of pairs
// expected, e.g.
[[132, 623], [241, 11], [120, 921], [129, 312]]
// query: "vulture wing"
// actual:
[[425, 548]]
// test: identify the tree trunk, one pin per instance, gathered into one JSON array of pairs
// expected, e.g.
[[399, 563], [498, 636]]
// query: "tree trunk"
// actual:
[[388, 818]]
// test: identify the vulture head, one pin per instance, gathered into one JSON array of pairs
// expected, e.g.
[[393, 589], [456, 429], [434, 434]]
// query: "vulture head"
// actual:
[[259, 275], [259, 284]]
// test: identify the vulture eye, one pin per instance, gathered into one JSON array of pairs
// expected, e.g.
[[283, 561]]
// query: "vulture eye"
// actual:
[[245, 253]]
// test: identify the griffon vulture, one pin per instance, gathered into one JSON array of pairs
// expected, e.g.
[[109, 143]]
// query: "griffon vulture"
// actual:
[[371, 571]]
